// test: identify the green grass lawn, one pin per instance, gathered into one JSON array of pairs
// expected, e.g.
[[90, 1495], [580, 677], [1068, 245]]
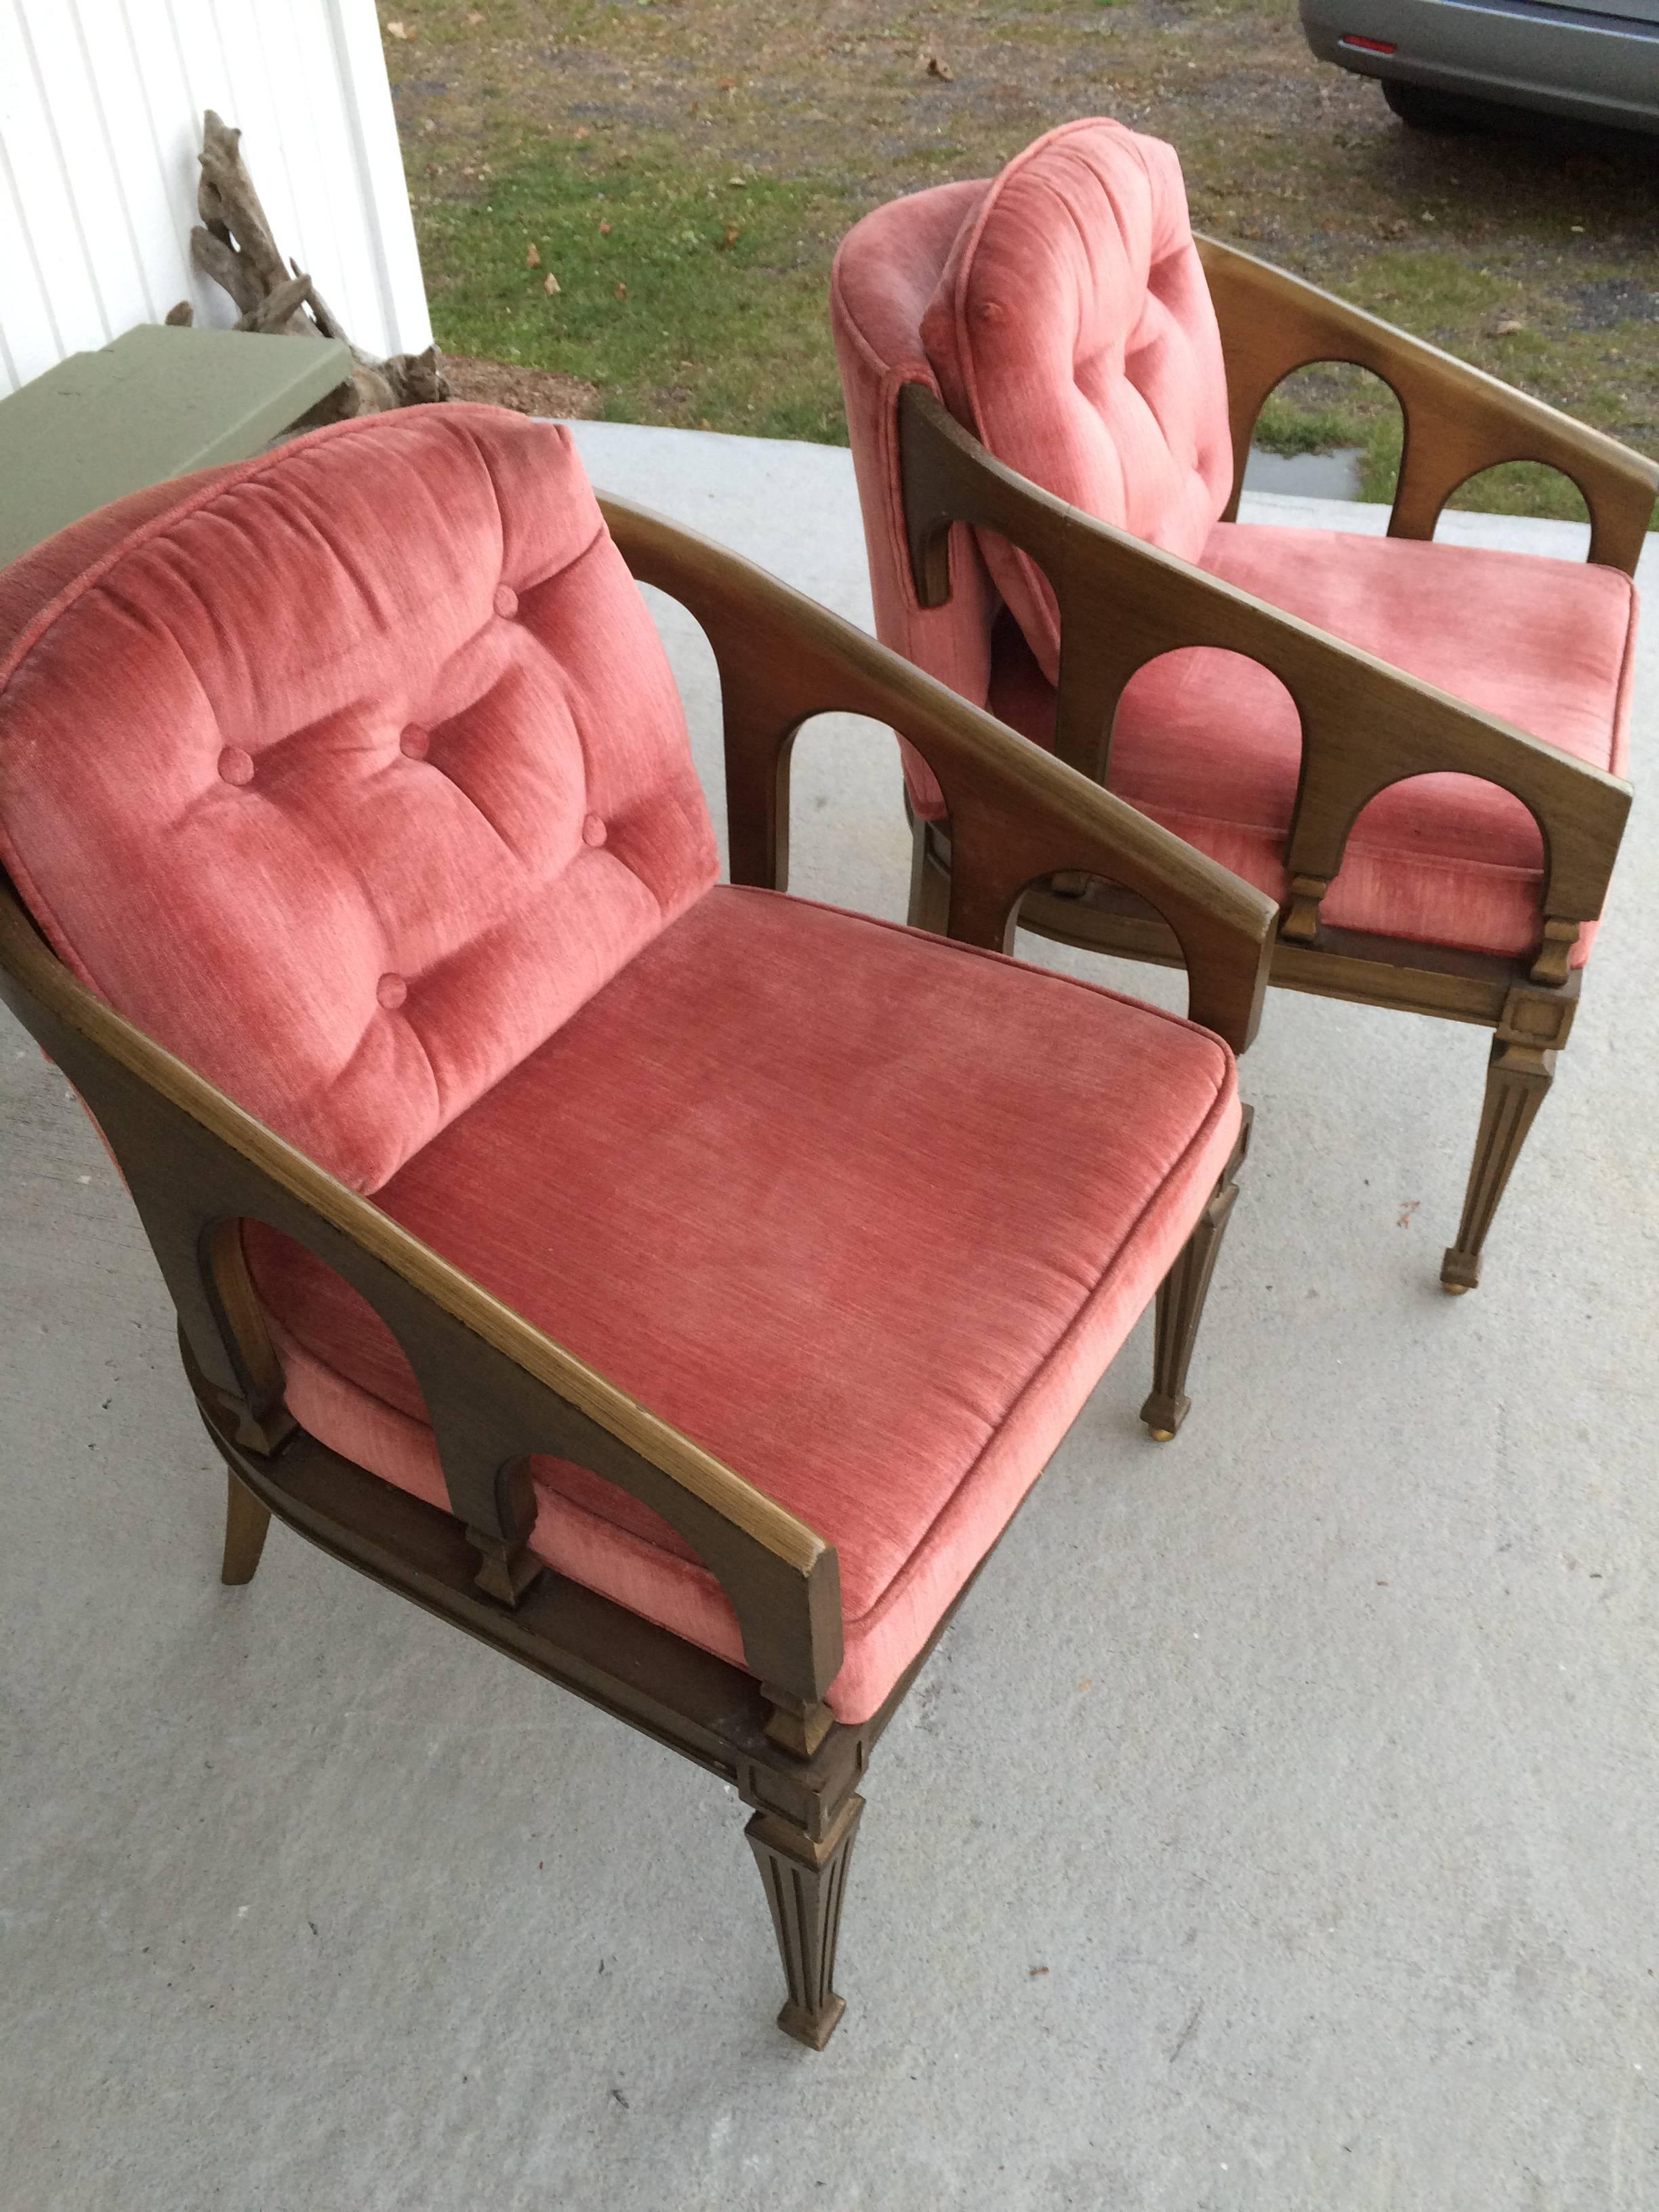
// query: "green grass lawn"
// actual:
[[683, 170]]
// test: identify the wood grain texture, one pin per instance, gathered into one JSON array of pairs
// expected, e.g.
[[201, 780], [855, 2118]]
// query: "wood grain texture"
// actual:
[[1366, 725], [1381, 971], [1180, 1299], [1458, 420], [806, 1883], [1017, 815], [1518, 1079], [246, 1525]]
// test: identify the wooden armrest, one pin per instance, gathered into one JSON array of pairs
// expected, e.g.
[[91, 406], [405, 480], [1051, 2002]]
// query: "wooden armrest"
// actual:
[[496, 1389], [1366, 725], [1458, 420], [1017, 815]]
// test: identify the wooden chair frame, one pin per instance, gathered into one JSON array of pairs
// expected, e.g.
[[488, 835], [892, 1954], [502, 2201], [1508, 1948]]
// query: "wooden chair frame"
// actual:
[[1366, 725], [497, 1390]]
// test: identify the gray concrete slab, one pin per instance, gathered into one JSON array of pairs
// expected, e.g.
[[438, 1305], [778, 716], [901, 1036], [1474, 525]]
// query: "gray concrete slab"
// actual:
[[1272, 1830]]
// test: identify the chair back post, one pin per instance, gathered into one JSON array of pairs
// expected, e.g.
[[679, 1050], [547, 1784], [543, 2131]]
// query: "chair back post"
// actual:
[[947, 477]]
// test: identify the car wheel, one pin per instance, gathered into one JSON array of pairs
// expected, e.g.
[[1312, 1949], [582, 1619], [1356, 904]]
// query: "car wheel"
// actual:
[[1414, 104]]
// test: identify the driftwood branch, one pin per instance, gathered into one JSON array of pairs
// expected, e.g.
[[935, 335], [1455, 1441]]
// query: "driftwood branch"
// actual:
[[234, 244]]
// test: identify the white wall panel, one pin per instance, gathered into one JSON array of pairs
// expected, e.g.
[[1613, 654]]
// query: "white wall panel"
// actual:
[[101, 106]]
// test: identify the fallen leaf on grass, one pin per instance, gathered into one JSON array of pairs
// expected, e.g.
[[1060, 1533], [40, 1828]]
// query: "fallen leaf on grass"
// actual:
[[475, 15], [604, 230], [739, 183], [622, 291], [1508, 327], [936, 65], [550, 283], [398, 31], [732, 234], [532, 259]]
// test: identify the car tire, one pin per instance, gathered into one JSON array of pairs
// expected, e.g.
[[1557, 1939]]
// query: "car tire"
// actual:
[[1424, 110]]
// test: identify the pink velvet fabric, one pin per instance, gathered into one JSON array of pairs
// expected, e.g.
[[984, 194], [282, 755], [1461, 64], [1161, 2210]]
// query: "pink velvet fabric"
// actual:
[[864, 1212], [1023, 303], [1071, 332], [1210, 744], [377, 723], [885, 274]]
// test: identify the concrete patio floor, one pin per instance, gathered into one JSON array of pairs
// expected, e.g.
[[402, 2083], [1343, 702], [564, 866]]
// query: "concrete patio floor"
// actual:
[[1274, 1828]]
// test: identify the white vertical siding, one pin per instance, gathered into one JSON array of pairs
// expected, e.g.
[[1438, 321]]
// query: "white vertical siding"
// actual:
[[100, 107]]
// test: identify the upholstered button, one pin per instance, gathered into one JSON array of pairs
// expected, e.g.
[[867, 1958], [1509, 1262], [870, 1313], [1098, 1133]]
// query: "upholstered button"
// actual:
[[594, 830], [507, 602], [415, 742], [391, 991], [235, 766], [991, 311]]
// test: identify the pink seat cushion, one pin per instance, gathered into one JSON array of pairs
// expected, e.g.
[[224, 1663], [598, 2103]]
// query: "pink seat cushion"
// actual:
[[1210, 744], [379, 725], [864, 1212], [1071, 332]]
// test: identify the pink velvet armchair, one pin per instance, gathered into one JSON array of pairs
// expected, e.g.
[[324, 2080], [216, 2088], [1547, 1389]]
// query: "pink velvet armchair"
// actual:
[[1415, 749], [676, 1285]]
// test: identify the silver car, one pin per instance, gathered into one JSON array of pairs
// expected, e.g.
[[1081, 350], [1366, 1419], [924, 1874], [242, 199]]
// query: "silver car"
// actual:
[[1597, 62]]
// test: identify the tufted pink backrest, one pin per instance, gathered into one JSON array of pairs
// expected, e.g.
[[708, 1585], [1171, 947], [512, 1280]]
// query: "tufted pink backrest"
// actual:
[[1061, 313], [350, 772], [1072, 331]]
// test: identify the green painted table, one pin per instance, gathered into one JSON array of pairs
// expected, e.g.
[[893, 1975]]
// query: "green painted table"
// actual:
[[160, 402]]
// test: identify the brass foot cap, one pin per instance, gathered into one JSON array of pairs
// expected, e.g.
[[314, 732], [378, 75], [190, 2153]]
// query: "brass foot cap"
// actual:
[[1161, 1436], [814, 2029], [1455, 1290]]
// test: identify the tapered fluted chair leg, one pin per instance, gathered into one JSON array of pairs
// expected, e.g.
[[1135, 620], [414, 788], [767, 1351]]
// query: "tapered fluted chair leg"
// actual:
[[805, 1882], [245, 1524], [1518, 1078], [1180, 1299]]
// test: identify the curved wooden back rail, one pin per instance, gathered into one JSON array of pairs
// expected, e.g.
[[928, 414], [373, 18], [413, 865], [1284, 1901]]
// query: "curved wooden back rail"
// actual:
[[1457, 420], [1365, 724], [1018, 816]]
